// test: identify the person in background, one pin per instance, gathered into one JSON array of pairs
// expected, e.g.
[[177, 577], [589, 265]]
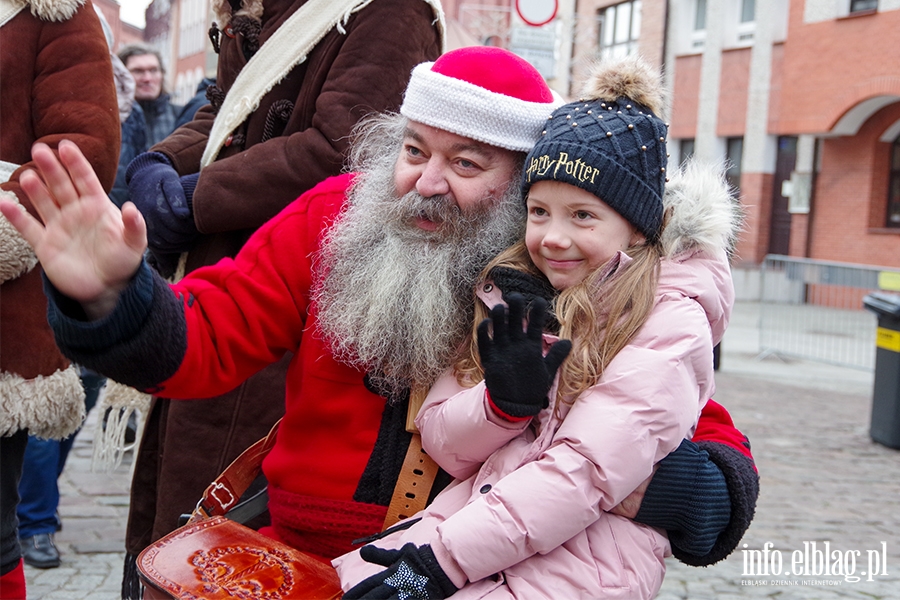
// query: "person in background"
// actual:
[[433, 198], [197, 101], [134, 129], [57, 84], [146, 66]]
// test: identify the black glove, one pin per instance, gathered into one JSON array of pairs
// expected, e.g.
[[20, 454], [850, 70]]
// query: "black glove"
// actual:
[[159, 193], [517, 374], [412, 572]]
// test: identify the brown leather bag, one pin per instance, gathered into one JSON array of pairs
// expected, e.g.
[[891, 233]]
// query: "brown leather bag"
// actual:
[[220, 558], [213, 557]]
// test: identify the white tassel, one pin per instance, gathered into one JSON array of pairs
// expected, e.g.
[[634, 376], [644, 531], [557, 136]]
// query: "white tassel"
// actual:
[[116, 405]]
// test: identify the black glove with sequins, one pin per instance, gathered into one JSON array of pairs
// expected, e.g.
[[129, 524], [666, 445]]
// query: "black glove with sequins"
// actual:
[[412, 572]]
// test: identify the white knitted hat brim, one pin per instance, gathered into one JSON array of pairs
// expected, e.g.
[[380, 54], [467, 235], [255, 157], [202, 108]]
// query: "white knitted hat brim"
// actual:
[[471, 111]]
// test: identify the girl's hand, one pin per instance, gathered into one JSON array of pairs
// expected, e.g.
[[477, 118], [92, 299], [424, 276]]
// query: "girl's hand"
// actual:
[[517, 374], [87, 247]]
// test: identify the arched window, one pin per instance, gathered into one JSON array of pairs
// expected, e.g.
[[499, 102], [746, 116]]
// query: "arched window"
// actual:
[[893, 204]]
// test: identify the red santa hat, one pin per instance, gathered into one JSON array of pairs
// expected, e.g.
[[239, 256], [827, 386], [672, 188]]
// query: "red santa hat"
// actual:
[[484, 93]]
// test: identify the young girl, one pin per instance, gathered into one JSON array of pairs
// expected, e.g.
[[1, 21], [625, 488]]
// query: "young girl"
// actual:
[[643, 292]]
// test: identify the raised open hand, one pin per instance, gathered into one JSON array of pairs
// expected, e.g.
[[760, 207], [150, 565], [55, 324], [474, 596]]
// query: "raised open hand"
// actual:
[[517, 374], [87, 247]]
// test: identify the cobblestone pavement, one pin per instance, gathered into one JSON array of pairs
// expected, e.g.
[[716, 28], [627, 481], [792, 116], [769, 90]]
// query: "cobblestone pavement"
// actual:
[[823, 482], [94, 509]]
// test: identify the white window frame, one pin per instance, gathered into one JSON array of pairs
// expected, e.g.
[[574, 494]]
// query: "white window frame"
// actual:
[[612, 39]]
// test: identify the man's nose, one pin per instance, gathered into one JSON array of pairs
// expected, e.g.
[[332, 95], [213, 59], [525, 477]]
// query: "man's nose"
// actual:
[[433, 179]]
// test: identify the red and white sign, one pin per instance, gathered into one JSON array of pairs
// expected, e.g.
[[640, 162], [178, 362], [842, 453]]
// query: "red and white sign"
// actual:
[[537, 12]]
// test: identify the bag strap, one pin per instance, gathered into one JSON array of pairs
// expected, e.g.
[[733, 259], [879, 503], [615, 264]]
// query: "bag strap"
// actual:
[[410, 493], [418, 471], [224, 493], [413, 485]]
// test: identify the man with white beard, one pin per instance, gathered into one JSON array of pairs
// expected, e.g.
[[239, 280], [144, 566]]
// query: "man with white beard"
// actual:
[[371, 308], [396, 297]]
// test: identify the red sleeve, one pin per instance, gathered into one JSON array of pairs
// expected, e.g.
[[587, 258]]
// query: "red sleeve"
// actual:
[[243, 314], [716, 425]]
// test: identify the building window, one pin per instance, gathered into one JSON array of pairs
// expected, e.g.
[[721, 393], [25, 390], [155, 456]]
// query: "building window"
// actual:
[[863, 5], [192, 28], [747, 25], [618, 28], [893, 207], [698, 25], [686, 149], [700, 16], [748, 11], [734, 150]]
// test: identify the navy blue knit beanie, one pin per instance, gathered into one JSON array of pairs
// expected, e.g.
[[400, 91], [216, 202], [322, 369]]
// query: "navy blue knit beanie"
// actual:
[[610, 143]]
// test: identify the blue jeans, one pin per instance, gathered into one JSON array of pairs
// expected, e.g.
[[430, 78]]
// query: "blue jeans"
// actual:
[[44, 462]]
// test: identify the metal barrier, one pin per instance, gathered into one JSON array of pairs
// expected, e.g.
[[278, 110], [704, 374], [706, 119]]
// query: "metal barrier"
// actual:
[[812, 309]]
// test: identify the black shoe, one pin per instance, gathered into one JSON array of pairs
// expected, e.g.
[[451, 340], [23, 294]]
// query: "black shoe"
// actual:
[[39, 551]]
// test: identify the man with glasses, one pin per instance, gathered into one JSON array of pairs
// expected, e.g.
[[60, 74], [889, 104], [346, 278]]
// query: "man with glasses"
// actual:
[[146, 66]]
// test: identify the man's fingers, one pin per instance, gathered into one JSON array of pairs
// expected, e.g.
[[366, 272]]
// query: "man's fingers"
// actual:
[[29, 227], [55, 176], [80, 170], [41, 199], [135, 233]]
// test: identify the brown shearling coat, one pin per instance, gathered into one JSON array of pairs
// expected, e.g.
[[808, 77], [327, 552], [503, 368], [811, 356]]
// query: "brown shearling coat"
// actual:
[[57, 83]]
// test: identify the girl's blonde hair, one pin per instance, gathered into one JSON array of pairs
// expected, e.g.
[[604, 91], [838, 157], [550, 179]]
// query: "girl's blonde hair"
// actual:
[[600, 315]]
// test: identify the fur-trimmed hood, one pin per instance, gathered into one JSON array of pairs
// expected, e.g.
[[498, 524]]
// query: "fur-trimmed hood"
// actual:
[[51, 10], [702, 212], [704, 220]]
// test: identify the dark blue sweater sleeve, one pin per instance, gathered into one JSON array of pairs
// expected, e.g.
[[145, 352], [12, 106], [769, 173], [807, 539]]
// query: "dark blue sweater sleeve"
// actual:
[[141, 343], [689, 496]]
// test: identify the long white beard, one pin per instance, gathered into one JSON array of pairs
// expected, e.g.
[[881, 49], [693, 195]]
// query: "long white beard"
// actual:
[[395, 300]]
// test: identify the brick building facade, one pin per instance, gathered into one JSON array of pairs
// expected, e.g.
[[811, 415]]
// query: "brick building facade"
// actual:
[[801, 97], [806, 98]]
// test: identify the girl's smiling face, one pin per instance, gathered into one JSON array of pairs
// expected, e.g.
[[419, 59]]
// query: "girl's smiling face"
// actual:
[[572, 232]]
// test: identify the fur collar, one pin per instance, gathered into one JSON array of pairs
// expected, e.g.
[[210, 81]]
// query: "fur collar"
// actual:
[[51, 10], [249, 8], [704, 214]]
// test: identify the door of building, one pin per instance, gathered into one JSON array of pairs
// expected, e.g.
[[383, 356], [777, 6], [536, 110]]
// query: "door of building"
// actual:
[[780, 222]]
